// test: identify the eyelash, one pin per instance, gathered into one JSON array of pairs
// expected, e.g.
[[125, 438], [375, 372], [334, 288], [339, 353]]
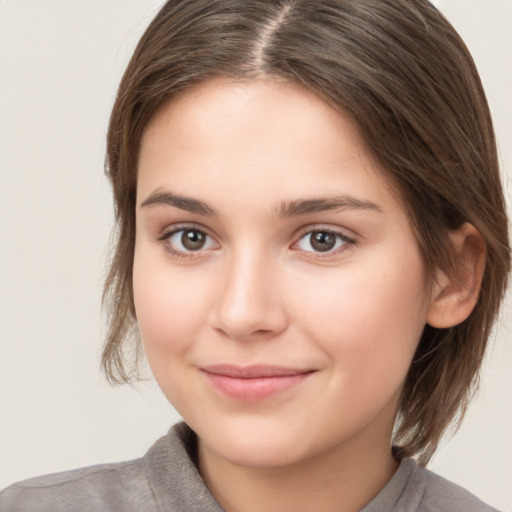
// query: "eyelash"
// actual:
[[347, 241], [166, 236], [339, 236]]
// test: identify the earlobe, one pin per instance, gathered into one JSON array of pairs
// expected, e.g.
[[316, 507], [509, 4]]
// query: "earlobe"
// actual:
[[454, 296]]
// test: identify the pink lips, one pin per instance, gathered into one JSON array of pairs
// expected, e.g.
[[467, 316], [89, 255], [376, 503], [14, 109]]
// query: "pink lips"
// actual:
[[253, 383]]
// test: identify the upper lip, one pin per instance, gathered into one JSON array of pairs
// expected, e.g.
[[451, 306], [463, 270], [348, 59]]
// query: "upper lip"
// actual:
[[252, 371]]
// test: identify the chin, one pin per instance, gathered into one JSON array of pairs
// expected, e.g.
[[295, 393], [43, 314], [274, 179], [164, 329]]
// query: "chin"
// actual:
[[257, 455], [253, 444]]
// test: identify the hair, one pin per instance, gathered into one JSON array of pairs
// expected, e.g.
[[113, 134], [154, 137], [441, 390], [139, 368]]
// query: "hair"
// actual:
[[403, 75]]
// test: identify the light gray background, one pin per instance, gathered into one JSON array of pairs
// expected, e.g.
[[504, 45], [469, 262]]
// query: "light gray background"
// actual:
[[60, 62]]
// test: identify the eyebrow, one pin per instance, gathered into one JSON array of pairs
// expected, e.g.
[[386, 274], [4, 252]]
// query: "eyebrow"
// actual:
[[307, 206], [183, 203], [287, 209]]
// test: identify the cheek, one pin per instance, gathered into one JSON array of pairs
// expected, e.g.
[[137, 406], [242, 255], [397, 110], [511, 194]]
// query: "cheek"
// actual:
[[170, 313], [368, 321], [170, 307]]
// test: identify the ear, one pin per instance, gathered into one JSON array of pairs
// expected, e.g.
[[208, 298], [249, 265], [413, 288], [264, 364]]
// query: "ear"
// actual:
[[454, 296]]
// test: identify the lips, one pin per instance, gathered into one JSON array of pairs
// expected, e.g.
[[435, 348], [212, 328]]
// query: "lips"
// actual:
[[253, 383]]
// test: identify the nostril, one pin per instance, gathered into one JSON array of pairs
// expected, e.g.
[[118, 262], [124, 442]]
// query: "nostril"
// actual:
[[243, 334]]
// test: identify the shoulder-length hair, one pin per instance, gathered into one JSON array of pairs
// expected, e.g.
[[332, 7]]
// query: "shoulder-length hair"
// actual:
[[400, 71]]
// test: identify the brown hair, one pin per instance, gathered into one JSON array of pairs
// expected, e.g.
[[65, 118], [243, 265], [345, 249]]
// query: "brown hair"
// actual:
[[403, 74]]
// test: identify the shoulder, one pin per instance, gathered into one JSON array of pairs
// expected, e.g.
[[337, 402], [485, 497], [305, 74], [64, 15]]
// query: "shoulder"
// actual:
[[416, 489], [441, 494], [166, 478], [120, 486]]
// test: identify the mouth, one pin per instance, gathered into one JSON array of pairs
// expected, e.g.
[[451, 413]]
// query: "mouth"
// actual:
[[253, 383]]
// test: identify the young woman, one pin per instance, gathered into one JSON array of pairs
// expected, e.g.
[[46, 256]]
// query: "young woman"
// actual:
[[312, 250]]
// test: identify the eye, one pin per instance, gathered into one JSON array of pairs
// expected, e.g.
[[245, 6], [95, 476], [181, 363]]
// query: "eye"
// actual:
[[188, 240], [322, 241]]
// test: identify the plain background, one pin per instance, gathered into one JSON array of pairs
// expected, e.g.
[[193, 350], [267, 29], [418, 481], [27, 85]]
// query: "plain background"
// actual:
[[60, 63]]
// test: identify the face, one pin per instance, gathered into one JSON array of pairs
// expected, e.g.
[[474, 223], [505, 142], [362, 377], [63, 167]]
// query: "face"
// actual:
[[279, 289]]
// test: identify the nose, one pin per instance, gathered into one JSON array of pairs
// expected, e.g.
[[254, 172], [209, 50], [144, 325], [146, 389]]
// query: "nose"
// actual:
[[249, 304]]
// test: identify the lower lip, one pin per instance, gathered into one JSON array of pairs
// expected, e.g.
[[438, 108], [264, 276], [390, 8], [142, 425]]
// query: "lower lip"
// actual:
[[254, 389]]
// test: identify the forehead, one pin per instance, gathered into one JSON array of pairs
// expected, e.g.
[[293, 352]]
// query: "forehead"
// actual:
[[260, 108], [277, 137]]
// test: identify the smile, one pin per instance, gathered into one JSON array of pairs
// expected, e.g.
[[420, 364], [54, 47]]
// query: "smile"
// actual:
[[253, 383]]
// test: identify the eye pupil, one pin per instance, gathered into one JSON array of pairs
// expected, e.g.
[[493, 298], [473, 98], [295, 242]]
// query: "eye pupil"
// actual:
[[193, 239], [322, 241]]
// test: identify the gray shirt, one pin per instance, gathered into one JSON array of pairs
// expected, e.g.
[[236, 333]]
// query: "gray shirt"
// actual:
[[166, 480]]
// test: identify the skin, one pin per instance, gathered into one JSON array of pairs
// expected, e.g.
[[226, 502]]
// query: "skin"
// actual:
[[259, 292]]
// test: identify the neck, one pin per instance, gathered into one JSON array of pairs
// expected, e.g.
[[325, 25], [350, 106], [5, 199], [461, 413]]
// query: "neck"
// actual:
[[341, 479]]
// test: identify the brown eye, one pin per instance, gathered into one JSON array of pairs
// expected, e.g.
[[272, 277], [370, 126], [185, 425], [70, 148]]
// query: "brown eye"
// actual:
[[188, 240], [323, 241], [192, 239]]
